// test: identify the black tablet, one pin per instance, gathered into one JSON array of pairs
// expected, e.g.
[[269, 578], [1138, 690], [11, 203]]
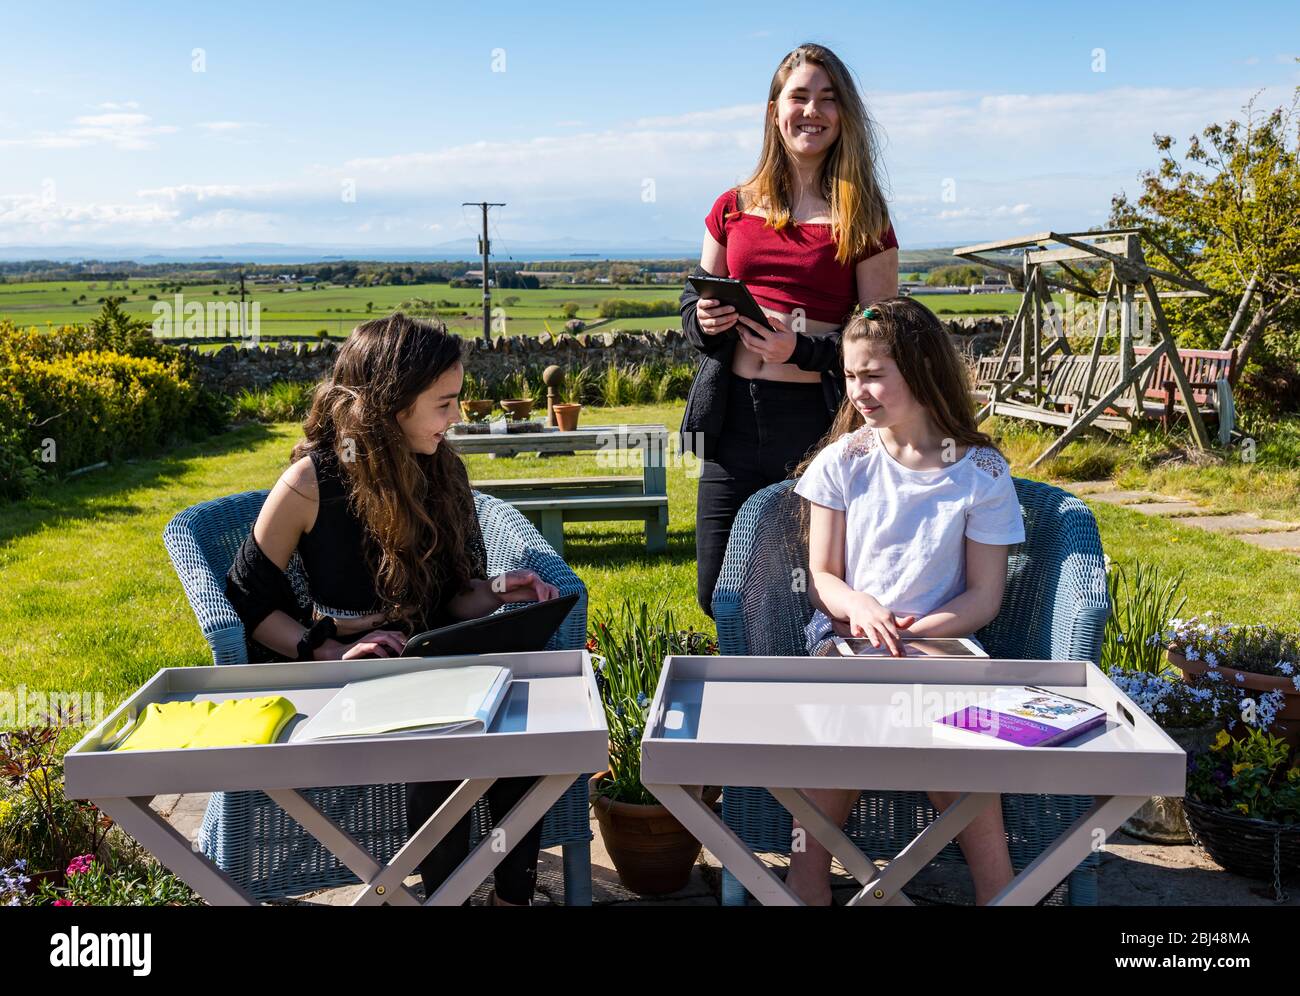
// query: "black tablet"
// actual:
[[734, 293], [512, 631]]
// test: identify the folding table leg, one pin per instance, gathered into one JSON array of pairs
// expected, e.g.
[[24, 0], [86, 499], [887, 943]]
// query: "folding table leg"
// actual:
[[170, 847], [384, 883], [887, 885], [471, 872], [1042, 874], [723, 843], [857, 863]]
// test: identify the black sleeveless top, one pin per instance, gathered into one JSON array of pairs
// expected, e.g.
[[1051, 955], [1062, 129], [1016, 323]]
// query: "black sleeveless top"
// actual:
[[340, 578], [334, 553]]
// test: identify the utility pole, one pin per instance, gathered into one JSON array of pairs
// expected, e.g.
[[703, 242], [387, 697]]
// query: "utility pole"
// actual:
[[483, 248]]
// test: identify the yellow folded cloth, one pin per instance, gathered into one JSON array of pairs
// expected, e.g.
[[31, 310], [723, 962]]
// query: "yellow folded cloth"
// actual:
[[233, 723]]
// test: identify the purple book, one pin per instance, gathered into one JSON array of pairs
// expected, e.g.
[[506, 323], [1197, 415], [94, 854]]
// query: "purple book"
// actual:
[[1030, 717]]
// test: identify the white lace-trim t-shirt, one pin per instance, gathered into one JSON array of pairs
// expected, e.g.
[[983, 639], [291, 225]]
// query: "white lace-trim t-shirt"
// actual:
[[905, 529]]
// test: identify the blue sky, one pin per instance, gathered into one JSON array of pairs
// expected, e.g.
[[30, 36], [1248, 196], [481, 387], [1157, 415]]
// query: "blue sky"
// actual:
[[109, 135]]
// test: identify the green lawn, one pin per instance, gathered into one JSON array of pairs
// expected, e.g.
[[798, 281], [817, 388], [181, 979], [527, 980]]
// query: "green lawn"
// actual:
[[92, 604]]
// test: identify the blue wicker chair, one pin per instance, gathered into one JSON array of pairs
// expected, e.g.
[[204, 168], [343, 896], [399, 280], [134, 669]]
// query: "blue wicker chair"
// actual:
[[1055, 607], [255, 841]]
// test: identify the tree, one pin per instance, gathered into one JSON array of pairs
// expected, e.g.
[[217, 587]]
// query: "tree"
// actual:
[[1230, 213], [958, 275]]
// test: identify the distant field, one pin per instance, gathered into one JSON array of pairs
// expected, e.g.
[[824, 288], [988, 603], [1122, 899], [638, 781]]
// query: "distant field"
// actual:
[[306, 309]]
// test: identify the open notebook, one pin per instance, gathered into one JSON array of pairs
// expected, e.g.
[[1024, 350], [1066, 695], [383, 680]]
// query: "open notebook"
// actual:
[[426, 703]]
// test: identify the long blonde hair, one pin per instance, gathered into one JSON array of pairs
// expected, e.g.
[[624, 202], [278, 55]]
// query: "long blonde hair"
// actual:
[[849, 178]]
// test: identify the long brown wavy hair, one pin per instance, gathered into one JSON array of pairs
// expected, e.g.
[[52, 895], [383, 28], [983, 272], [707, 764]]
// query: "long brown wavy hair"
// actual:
[[414, 507], [933, 370], [849, 175]]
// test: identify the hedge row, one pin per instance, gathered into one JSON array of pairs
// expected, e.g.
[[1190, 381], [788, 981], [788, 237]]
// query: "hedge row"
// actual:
[[76, 395]]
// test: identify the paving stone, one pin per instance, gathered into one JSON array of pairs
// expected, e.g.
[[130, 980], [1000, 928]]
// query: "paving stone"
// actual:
[[1090, 487], [1170, 509], [1127, 497], [1273, 541], [1241, 523]]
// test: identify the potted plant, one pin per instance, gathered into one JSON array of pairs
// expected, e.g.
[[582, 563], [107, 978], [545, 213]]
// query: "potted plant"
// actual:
[[1243, 805], [652, 852], [518, 408], [566, 415], [1133, 655], [1192, 714], [477, 410], [1259, 659]]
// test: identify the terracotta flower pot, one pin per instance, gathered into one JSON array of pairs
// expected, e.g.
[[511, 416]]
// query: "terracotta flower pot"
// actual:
[[518, 408], [652, 852], [1287, 723], [566, 416], [475, 411]]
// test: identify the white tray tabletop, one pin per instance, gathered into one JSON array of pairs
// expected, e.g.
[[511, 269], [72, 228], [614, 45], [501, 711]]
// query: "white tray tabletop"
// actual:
[[551, 722], [840, 722]]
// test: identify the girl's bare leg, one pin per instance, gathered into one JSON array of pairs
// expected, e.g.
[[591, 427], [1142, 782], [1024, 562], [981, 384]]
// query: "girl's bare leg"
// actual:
[[984, 843], [810, 863]]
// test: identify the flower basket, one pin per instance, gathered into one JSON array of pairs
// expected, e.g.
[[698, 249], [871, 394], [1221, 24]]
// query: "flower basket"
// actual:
[[1259, 849]]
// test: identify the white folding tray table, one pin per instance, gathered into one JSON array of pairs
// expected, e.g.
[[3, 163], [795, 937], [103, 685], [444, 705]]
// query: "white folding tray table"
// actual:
[[792, 723], [551, 725]]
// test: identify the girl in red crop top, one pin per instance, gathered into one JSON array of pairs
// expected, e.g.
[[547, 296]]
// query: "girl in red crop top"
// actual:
[[809, 235]]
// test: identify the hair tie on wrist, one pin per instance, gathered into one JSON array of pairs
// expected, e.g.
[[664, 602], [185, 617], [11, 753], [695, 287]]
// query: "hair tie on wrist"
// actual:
[[869, 312]]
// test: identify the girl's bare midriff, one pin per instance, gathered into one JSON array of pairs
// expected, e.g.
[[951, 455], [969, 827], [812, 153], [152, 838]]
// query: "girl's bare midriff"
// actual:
[[745, 363]]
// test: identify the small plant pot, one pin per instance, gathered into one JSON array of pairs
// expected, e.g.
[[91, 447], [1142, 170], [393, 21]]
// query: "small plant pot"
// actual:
[[518, 408], [566, 416], [476, 411], [652, 852], [1162, 819], [1287, 722]]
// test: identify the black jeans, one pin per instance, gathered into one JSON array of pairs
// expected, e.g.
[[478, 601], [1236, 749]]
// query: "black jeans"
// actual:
[[516, 875], [769, 428]]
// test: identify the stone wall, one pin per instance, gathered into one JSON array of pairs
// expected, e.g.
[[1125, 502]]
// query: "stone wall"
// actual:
[[232, 369]]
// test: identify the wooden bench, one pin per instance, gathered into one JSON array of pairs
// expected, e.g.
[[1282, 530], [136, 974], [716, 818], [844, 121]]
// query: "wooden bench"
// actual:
[[1209, 372], [549, 502]]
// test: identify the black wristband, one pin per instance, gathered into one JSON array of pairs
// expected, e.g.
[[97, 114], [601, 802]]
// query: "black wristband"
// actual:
[[321, 630]]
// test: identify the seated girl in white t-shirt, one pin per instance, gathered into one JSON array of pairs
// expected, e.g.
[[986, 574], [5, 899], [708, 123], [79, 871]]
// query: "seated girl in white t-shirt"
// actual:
[[911, 513]]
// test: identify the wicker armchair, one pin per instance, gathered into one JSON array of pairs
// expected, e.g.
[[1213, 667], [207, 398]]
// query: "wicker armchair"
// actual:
[[255, 841]]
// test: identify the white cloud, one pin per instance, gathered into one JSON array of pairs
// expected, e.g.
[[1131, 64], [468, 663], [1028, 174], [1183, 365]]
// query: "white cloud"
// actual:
[[1016, 161], [128, 130], [23, 214], [225, 127]]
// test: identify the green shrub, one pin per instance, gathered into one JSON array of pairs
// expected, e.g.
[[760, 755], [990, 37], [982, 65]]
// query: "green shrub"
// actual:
[[76, 395], [283, 401]]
